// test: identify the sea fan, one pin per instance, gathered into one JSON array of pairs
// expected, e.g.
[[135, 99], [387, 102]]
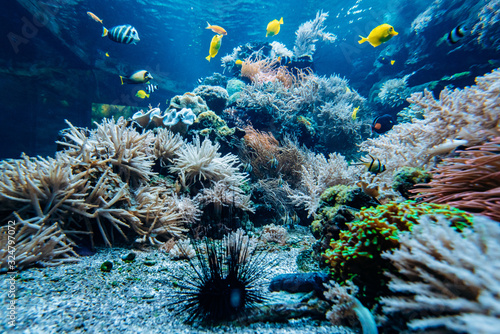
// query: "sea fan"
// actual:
[[223, 283]]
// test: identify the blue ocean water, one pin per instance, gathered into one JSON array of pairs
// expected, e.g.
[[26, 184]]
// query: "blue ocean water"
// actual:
[[55, 65]]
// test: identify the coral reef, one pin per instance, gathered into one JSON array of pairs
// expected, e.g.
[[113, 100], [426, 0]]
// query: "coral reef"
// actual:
[[201, 161], [211, 121], [488, 27], [470, 114], [346, 306], [407, 177], [318, 174], [275, 234], [356, 254], [190, 101], [394, 92], [179, 120], [214, 96], [447, 280], [30, 244], [470, 182], [309, 33]]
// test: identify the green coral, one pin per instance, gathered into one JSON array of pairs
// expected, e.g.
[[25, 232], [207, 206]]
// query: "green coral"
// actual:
[[405, 178], [211, 120], [356, 254]]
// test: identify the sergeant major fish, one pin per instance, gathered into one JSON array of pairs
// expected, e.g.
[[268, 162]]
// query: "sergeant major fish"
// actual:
[[125, 34]]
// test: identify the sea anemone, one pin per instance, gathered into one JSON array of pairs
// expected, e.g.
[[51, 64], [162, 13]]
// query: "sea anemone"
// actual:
[[223, 283]]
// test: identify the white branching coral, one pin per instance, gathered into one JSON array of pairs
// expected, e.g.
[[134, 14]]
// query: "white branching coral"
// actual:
[[394, 92], [309, 33], [447, 279], [471, 114], [318, 174], [223, 193], [200, 161]]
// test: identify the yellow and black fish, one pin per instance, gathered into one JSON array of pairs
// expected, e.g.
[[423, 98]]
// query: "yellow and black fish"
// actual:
[[125, 34], [454, 36], [138, 77]]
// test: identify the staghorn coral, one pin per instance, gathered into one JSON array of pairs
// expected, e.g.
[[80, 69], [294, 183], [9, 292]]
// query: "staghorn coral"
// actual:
[[356, 254], [447, 280], [309, 33], [394, 92], [470, 182]]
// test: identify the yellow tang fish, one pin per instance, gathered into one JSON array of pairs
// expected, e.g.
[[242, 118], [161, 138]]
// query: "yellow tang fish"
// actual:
[[238, 62], [216, 29], [142, 94], [379, 35], [354, 113], [214, 46], [273, 27]]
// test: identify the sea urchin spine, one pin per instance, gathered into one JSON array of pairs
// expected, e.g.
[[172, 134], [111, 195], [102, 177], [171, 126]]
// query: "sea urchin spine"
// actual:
[[223, 282]]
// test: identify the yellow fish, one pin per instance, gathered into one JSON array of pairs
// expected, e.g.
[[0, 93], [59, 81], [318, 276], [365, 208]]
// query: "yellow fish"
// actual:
[[273, 27], [142, 94], [354, 113], [214, 46], [216, 29], [392, 62], [94, 17], [239, 62], [379, 35]]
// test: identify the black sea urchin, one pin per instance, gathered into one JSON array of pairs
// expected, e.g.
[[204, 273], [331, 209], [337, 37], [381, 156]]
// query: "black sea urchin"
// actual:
[[223, 282]]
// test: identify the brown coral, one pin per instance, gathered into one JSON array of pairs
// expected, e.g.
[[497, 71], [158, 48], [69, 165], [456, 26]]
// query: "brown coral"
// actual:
[[470, 182]]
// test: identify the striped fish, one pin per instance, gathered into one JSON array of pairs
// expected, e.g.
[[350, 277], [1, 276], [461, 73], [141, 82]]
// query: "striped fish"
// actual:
[[125, 34]]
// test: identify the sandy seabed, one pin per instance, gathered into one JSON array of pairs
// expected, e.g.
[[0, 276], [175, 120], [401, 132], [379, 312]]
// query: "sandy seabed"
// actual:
[[131, 298]]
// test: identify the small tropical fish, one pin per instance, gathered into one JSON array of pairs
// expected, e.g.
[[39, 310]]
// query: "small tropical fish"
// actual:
[[142, 94], [379, 35], [354, 113], [273, 27], [382, 123], [138, 77], [216, 29], [274, 162], [454, 36], [151, 88], [214, 46], [94, 17], [386, 61], [373, 166], [125, 34], [239, 62]]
